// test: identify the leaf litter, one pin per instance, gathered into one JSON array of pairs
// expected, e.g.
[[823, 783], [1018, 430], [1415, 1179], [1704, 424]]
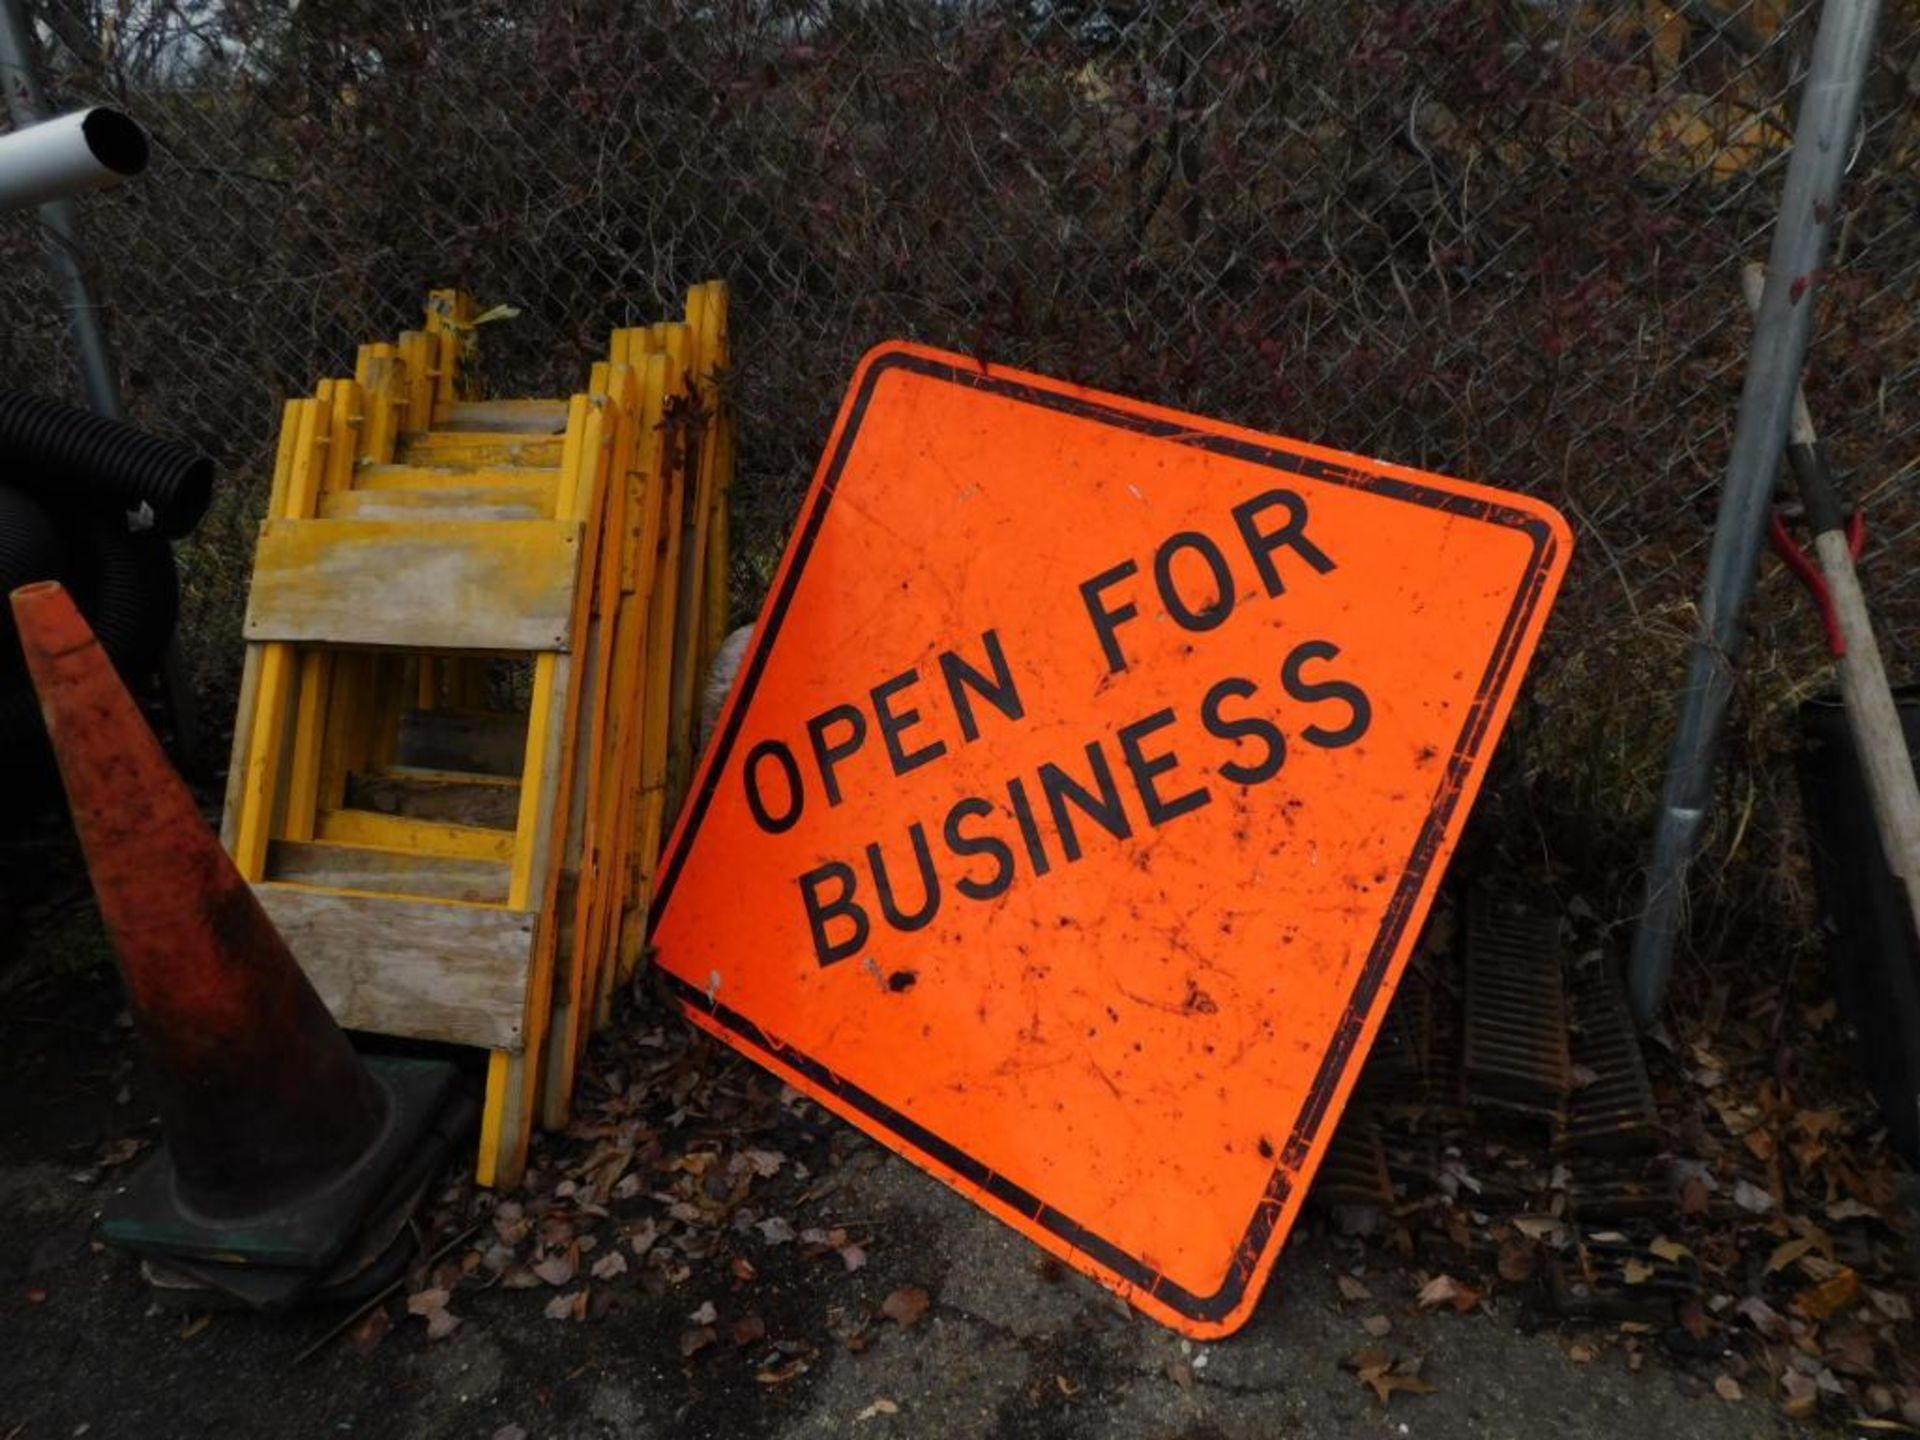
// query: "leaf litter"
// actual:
[[689, 1182], [1756, 1241]]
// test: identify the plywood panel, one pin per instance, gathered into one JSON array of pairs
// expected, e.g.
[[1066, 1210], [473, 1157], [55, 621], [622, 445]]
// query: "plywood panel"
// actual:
[[459, 585], [480, 448], [530, 417], [418, 968], [447, 502], [388, 872]]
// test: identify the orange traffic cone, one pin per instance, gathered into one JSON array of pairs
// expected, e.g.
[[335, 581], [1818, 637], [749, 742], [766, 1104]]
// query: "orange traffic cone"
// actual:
[[280, 1141]]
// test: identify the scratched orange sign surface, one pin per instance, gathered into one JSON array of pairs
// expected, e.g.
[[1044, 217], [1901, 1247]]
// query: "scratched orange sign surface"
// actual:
[[1083, 794]]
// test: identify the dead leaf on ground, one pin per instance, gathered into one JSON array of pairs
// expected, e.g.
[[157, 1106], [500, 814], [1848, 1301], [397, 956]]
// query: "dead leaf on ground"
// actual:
[[559, 1267], [1763, 1317], [906, 1305], [1829, 1297], [1636, 1271], [423, 1302], [1547, 1229], [1802, 1395], [1377, 1325], [882, 1406], [1383, 1375], [568, 1307], [1751, 1198], [369, 1332], [441, 1323], [1727, 1388], [1517, 1259], [1581, 1354], [1788, 1251], [1890, 1304], [705, 1315], [1352, 1289], [1672, 1251], [748, 1330], [1445, 1290]]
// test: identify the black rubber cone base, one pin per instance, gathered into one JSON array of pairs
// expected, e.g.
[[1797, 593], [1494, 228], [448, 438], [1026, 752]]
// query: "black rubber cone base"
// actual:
[[307, 1235], [380, 1252]]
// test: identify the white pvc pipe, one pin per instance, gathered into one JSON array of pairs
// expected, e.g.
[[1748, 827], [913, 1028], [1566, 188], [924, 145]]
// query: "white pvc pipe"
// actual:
[[87, 150]]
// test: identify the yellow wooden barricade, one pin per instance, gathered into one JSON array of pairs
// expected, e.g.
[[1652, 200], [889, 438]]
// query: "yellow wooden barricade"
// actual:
[[473, 634]]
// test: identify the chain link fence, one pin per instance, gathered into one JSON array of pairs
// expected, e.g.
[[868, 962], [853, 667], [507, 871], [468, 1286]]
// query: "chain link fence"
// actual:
[[1496, 238]]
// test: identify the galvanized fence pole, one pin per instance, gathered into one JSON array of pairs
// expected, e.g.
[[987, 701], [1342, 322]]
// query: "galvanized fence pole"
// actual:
[[25, 107], [1823, 135]]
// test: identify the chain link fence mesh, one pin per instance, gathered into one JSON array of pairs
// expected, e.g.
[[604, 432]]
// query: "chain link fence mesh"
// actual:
[[1495, 238]]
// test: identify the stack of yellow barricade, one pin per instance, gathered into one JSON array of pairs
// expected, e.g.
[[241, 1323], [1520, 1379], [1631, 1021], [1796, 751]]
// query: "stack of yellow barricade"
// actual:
[[474, 645]]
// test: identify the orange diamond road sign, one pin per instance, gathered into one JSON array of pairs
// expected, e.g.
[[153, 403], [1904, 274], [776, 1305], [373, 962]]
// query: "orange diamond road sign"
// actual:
[[1082, 795]]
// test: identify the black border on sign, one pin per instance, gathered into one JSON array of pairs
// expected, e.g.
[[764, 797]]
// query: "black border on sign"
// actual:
[[1366, 990]]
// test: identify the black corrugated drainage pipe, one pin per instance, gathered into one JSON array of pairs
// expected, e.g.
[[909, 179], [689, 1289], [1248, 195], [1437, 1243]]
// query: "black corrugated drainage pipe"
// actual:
[[69, 456], [124, 583], [31, 548]]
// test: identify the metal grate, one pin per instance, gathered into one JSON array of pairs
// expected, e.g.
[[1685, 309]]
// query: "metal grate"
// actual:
[[1515, 1054], [1611, 1109]]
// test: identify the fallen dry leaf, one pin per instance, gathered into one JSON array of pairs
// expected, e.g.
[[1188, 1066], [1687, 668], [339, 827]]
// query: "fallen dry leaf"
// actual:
[[1384, 1375], [367, 1335], [1727, 1388], [1636, 1271], [1802, 1395], [1376, 1325], [1672, 1251], [1785, 1253], [1893, 1306], [1581, 1354], [558, 1268], [424, 1302], [1829, 1297], [747, 1330], [1544, 1228], [705, 1315], [693, 1341], [1352, 1289], [1517, 1259], [906, 1305], [882, 1406], [1763, 1317], [568, 1307], [1445, 1290], [441, 1323], [608, 1265], [1751, 1198]]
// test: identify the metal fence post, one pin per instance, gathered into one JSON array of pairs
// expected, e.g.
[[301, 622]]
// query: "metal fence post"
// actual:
[[1823, 134], [25, 106]]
